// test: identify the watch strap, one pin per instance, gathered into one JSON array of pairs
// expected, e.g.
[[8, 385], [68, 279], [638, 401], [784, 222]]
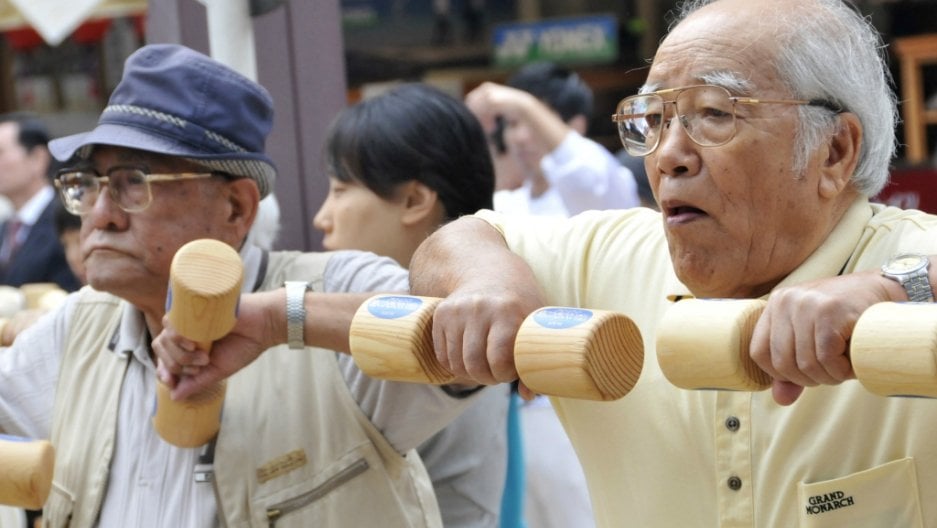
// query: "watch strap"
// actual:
[[295, 313], [918, 288]]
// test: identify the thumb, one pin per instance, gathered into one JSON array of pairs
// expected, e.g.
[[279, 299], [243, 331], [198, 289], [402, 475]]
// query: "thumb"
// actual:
[[188, 386], [785, 392]]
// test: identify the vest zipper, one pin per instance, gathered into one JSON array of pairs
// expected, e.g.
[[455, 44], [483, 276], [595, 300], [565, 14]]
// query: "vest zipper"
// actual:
[[222, 521], [288, 506]]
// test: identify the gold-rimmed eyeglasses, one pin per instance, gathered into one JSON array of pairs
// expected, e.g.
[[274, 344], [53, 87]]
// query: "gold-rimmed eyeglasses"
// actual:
[[705, 111], [129, 187]]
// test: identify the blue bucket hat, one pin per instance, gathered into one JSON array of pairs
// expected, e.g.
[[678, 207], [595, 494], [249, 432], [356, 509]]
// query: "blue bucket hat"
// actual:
[[175, 101]]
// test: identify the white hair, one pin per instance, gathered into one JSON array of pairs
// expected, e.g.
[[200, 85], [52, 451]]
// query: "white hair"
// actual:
[[827, 51]]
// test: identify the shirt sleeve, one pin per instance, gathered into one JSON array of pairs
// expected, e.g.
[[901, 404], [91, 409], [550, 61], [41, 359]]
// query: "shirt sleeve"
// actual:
[[587, 176], [406, 413], [29, 370]]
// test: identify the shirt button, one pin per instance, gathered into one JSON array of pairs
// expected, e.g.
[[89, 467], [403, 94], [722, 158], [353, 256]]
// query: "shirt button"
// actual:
[[733, 423], [734, 483]]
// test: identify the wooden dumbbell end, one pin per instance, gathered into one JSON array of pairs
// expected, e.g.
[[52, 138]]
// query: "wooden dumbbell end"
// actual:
[[204, 290], [191, 422], [893, 349], [391, 337], [205, 287], [578, 353], [34, 292], [704, 344], [26, 476]]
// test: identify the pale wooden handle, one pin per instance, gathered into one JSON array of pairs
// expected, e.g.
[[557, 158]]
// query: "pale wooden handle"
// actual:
[[191, 422], [26, 468], [205, 286], [893, 348], [34, 292], [704, 344], [586, 354]]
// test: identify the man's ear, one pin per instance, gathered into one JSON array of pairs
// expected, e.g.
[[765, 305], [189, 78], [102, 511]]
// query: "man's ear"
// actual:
[[419, 204], [244, 200], [840, 156]]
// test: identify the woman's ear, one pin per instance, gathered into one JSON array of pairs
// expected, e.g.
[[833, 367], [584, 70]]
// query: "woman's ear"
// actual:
[[420, 204], [840, 156]]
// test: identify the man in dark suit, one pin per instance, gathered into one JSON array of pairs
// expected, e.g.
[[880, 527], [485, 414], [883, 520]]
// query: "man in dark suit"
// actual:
[[30, 250]]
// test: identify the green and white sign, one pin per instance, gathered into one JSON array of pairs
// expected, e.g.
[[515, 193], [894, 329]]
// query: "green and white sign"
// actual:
[[590, 39]]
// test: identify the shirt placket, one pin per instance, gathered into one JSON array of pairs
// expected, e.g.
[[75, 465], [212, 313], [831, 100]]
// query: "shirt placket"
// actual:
[[733, 443]]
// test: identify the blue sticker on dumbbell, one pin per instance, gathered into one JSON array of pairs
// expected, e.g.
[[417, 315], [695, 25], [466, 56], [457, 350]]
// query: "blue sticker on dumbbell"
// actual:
[[560, 318], [393, 306]]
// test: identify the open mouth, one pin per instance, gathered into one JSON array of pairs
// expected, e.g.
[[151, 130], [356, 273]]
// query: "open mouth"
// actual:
[[678, 213]]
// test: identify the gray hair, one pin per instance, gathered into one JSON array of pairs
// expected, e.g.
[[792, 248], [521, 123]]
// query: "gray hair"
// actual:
[[828, 51]]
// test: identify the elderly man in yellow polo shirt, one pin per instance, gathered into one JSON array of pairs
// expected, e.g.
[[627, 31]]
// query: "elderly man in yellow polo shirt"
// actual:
[[766, 125]]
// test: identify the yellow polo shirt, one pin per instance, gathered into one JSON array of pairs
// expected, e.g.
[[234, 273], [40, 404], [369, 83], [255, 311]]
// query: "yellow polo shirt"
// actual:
[[667, 457]]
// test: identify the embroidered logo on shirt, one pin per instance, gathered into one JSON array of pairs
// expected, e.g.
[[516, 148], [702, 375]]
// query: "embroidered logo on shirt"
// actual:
[[828, 502], [281, 465]]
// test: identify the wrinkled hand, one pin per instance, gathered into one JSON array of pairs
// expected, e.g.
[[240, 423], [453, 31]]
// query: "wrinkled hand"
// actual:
[[187, 369], [474, 334], [802, 337]]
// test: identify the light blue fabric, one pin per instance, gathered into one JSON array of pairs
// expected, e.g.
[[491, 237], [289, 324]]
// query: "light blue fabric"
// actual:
[[512, 502]]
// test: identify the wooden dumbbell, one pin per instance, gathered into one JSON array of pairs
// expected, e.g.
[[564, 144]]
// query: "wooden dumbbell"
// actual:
[[12, 300], [705, 344], [893, 349], [42, 295], [26, 468], [568, 352], [204, 290]]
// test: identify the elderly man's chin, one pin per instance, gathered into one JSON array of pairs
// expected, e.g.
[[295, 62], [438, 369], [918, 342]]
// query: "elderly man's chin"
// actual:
[[707, 273], [113, 273]]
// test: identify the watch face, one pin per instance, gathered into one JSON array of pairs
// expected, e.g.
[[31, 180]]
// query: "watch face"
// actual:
[[905, 264]]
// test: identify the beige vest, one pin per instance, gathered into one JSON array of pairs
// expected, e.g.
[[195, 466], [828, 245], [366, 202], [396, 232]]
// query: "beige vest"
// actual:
[[294, 448]]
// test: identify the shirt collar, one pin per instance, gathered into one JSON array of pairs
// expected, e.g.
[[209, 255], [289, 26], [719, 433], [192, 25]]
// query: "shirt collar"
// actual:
[[31, 211], [831, 257]]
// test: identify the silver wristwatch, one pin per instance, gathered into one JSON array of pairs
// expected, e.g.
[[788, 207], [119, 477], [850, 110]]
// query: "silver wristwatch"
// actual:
[[910, 271], [295, 312]]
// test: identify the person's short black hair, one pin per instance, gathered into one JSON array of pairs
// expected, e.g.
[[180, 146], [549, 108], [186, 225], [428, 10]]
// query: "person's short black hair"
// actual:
[[32, 131], [414, 132], [560, 88]]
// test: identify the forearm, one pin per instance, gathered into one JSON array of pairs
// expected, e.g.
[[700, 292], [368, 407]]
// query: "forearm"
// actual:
[[545, 123], [328, 317], [469, 256]]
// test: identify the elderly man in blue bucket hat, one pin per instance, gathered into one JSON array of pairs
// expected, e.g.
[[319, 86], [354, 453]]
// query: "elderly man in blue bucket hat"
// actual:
[[305, 438]]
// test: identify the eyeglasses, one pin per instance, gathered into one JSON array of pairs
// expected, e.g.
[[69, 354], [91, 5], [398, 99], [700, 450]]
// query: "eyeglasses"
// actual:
[[706, 112], [129, 187]]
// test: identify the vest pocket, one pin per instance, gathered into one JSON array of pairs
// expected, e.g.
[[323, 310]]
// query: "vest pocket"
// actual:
[[57, 511], [883, 496], [357, 488], [276, 511]]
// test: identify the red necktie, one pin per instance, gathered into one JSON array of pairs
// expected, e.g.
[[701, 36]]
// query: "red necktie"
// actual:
[[10, 242]]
